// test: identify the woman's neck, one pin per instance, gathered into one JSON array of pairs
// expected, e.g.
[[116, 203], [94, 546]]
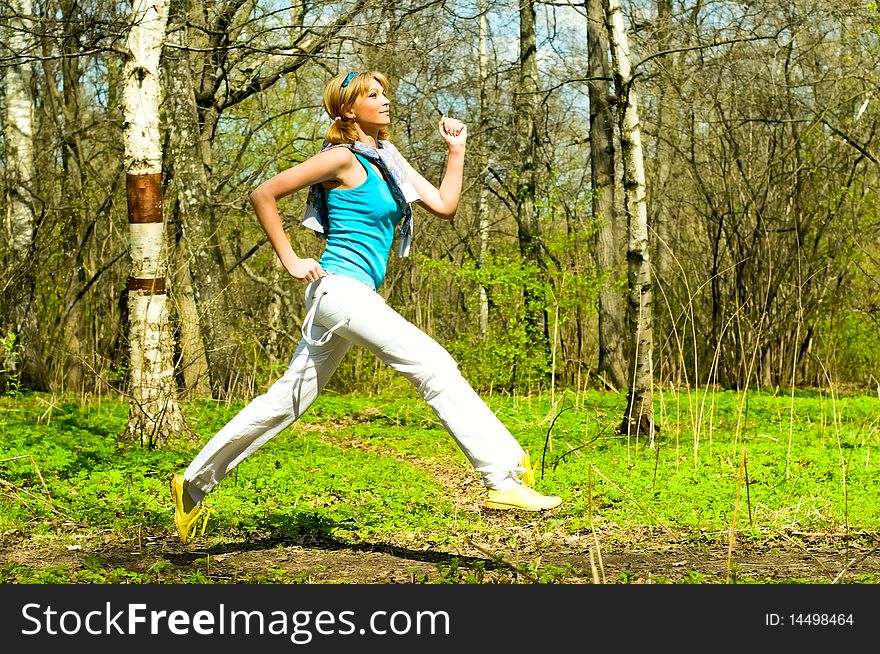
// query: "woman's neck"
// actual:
[[370, 137]]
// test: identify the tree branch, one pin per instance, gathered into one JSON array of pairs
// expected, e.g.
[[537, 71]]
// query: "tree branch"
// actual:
[[846, 137], [281, 65], [705, 46]]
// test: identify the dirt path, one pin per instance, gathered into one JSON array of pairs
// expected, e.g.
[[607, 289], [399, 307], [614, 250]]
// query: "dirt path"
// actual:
[[163, 558]]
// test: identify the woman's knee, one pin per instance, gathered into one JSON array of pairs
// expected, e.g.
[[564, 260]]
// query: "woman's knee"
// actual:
[[437, 373]]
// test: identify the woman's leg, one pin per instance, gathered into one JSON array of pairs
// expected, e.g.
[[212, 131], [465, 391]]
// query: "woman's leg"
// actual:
[[267, 415], [363, 317]]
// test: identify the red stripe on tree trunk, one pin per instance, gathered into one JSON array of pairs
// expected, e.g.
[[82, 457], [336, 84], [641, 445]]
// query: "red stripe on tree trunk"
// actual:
[[150, 285], [144, 198]]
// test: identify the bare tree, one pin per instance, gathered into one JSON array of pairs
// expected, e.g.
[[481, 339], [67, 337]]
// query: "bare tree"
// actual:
[[661, 218], [772, 117], [483, 202], [527, 120], [203, 338], [67, 104], [20, 343], [609, 238], [19, 129], [639, 416]]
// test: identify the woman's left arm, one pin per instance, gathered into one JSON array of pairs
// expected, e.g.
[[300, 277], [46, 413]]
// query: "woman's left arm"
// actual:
[[443, 202]]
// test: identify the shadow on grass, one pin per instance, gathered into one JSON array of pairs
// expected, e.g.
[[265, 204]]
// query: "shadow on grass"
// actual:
[[313, 531]]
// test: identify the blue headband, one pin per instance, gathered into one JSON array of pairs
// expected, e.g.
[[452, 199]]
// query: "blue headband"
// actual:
[[348, 78]]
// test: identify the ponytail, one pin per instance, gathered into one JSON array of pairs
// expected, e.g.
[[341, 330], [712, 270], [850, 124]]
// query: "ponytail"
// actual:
[[342, 130]]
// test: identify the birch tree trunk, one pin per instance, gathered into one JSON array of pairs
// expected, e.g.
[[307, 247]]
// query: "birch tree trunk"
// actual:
[[20, 352], [610, 237], [154, 412], [639, 416], [19, 131], [483, 206]]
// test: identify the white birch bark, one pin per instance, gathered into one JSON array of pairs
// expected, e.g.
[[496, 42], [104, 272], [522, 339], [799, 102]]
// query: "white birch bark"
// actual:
[[483, 206], [19, 131], [639, 417], [19, 215], [154, 412]]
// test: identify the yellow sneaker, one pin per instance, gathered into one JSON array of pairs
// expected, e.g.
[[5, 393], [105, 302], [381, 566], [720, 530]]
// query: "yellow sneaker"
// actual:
[[528, 477], [521, 497], [187, 522]]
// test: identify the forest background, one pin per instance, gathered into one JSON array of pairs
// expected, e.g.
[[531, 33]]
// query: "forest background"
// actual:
[[757, 123]]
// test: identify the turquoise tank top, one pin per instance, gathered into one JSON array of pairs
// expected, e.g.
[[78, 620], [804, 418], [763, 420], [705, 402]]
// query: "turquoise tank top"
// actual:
[[362, 223]]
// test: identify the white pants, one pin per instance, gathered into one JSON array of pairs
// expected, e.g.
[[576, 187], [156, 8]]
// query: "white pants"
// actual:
[[343, 312]]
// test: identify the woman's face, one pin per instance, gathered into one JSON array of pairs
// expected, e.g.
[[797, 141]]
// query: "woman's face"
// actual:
[[372, 109]]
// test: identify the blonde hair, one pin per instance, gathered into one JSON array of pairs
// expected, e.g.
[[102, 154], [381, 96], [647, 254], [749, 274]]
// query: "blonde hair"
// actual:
[[338, 101]]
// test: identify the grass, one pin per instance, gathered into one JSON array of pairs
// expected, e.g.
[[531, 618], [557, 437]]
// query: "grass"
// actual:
[[760, 468]]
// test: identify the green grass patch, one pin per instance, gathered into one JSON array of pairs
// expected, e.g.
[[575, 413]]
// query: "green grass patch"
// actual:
[[771, 463]]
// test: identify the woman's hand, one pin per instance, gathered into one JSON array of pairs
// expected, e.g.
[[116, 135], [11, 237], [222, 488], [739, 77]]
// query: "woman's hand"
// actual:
[[306, 270], [443, 202], [453, 131]]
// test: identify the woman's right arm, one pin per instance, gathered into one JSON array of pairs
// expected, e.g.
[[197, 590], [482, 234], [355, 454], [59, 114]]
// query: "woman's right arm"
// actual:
[[325, 166]]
